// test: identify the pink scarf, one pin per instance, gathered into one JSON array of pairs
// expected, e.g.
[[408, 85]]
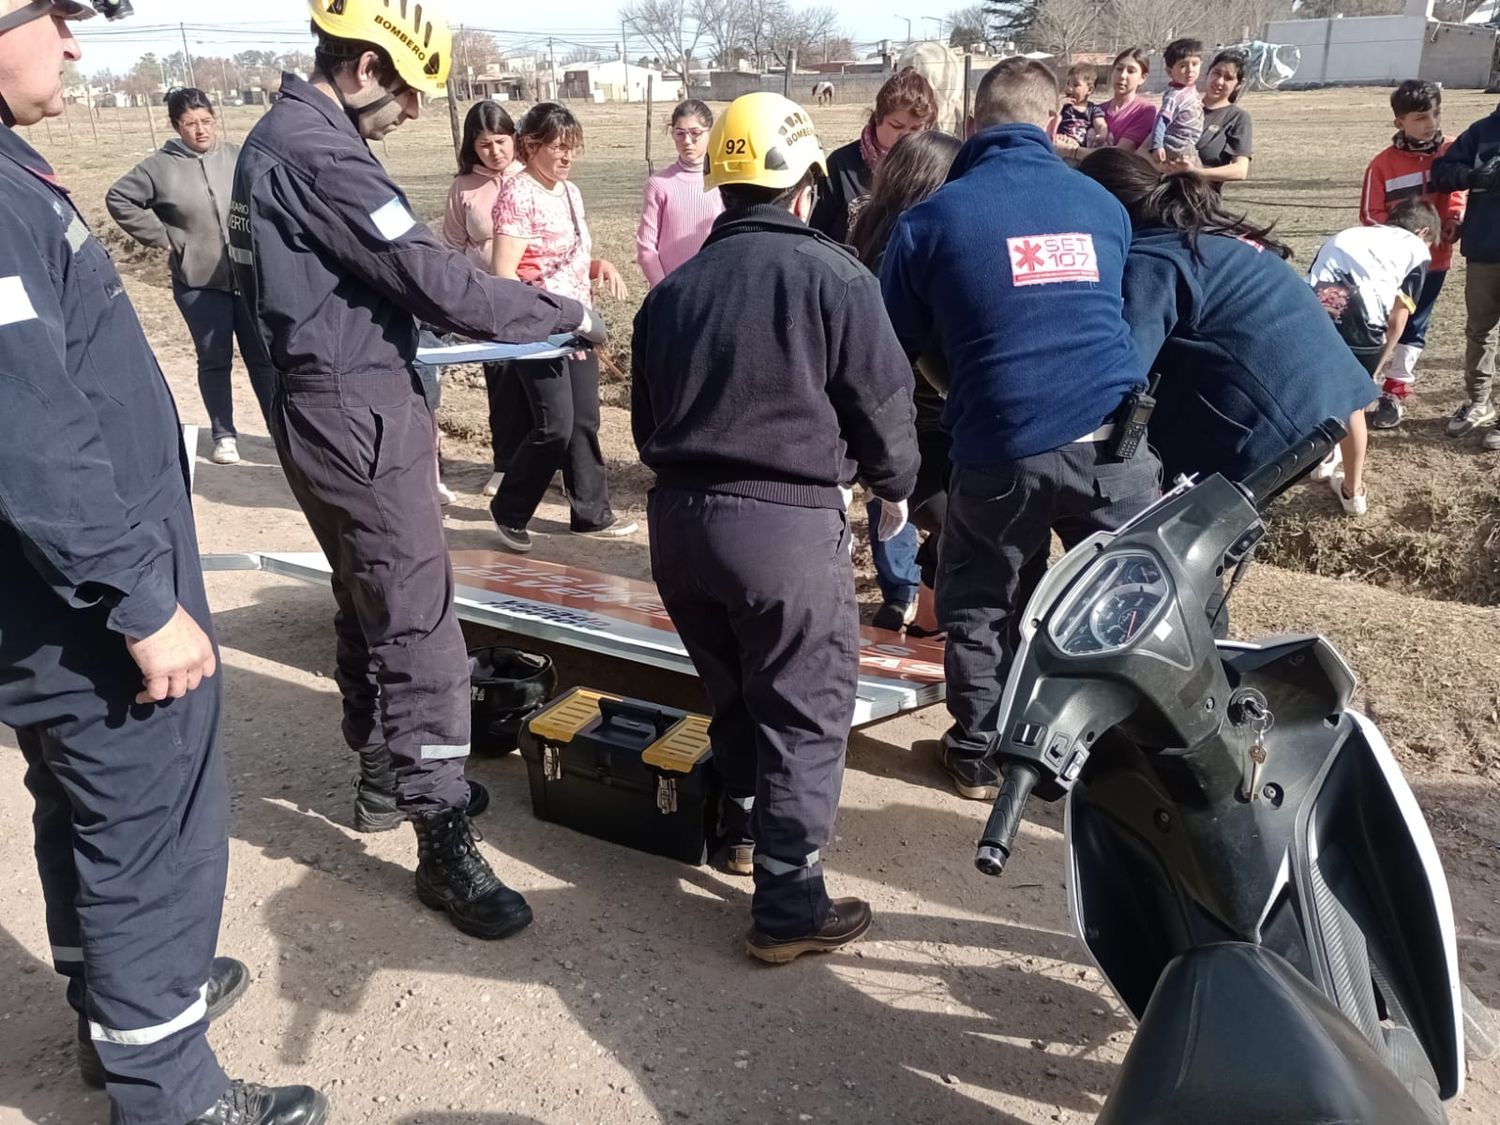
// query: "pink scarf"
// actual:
[[869, 147]]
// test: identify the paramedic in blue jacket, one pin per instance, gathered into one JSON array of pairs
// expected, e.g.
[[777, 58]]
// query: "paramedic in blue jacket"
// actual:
[[338, 272], [1201, 287], [1011, 274], [107, 658]]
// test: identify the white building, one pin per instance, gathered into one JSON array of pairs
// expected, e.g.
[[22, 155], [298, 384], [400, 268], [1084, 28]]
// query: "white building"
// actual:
[[616, 81]]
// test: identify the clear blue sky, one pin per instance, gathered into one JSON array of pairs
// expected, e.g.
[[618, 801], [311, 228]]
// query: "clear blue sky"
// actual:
[[279, 25]]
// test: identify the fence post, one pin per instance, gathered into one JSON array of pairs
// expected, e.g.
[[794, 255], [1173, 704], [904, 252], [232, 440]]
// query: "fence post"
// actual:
[[968, 70], [650, 103], [786, 77], [150, 123], [458, 133]]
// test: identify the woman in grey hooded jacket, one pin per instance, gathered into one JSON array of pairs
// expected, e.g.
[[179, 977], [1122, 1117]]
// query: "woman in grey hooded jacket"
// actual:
[[177, 200]]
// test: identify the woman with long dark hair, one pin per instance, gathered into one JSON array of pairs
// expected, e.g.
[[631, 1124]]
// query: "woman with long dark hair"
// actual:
[[1128, 117], [177, 200], [914, 168], [486, 159], [1225, 147], [1248, 358], [542, 238]]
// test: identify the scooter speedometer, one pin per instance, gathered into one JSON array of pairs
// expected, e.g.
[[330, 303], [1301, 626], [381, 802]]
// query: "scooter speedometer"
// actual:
[[1116, 603]]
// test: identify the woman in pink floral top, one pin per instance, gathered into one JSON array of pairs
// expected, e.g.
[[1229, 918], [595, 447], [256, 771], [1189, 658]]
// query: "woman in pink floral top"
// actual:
[[542, 238]]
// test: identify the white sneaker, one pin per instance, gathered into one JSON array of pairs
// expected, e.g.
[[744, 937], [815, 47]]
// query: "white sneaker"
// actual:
[[1469, 417], [613, 531], [1491, 443], [1355, 505], [492, 486], [445, 494], [226, 452], [1331, 464]]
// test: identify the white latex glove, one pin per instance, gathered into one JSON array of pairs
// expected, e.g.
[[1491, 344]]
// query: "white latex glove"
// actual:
[[593, 328], [892, 519]]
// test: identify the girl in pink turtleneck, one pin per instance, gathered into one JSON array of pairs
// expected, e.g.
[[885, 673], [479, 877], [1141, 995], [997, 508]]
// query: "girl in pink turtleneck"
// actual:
[[676, 213]]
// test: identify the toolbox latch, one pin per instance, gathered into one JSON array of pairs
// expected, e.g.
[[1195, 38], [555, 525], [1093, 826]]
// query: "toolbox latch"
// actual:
[[666, 794], [551, 762]]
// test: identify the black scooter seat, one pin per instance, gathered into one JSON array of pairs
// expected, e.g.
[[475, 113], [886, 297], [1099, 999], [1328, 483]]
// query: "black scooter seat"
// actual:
[[1234, 1035]]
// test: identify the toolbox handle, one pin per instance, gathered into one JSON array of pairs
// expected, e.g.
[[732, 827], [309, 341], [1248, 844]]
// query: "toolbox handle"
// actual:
[[630, 711]]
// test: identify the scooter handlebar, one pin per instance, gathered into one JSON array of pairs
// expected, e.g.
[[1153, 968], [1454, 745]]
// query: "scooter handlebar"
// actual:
[[1296, 460], [1018, 781]]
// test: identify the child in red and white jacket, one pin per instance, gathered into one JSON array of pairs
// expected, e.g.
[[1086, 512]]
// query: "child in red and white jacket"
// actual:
[[1401, 172]]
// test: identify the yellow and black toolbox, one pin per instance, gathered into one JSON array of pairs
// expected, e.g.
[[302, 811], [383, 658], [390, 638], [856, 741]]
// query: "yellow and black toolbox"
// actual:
[[626, 771]]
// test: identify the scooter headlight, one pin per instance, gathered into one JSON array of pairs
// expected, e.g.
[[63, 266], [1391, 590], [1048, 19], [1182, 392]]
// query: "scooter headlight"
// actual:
[[1116, 602]]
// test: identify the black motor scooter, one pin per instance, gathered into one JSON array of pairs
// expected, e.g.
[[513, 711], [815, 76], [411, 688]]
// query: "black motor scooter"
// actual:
[[1246, 864]]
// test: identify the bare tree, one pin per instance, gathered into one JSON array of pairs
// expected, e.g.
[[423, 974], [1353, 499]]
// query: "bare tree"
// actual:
[[969, 25], [668, 27], [1065, 27], [726, 28]]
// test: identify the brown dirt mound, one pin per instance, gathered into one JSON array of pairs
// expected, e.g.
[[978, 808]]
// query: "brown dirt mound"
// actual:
[[1429, 670], [1433, 527]]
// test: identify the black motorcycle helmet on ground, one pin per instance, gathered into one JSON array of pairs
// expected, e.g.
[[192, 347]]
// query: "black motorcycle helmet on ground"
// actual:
[[506, 688]]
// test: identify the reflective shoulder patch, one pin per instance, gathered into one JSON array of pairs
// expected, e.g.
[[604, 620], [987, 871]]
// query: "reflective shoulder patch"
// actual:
[[15, 305], [78, 234], [1046, 259], [393, 220]]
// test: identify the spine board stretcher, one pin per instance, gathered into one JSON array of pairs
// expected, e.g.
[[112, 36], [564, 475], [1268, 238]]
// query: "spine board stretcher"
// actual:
[[603, 613], [621, 618]]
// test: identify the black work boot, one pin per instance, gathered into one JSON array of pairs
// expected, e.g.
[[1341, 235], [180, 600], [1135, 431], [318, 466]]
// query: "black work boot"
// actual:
[[846, 923], [245, 1103], [227, 981], [453, 877], [375, 795]]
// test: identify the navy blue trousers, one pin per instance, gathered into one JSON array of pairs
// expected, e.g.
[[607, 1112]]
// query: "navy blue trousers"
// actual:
[[131, 827], [763, 597], [360, 457], [994, 552]]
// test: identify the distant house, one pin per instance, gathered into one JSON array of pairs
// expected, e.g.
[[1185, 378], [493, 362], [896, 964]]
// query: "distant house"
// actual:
[[502, 86], [616, 81]]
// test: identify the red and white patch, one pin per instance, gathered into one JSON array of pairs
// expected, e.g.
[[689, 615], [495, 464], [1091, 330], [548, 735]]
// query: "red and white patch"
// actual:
[[1044, 259]]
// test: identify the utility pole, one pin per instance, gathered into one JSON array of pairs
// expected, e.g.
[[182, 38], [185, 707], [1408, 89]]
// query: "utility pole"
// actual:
[[187, 58], [786, 78], [908, 26], [624, 49], [551, 70]]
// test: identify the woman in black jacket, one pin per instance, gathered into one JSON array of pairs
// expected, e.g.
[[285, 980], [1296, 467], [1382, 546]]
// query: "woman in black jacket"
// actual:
[[905, 104], [916, 168]]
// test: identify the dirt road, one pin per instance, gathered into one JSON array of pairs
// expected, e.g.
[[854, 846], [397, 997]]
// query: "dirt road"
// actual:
[[630, 999]]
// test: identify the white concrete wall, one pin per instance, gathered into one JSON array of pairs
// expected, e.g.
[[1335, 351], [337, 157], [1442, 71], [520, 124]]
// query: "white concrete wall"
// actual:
[[1461, 57], [1366, 49]]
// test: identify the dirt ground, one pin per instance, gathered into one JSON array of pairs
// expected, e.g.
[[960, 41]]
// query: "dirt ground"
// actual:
[[630, 999]]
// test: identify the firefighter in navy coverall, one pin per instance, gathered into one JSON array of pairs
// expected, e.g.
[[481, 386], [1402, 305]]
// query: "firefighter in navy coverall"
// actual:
[[337, 271], [107, 658], [765, 378]]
